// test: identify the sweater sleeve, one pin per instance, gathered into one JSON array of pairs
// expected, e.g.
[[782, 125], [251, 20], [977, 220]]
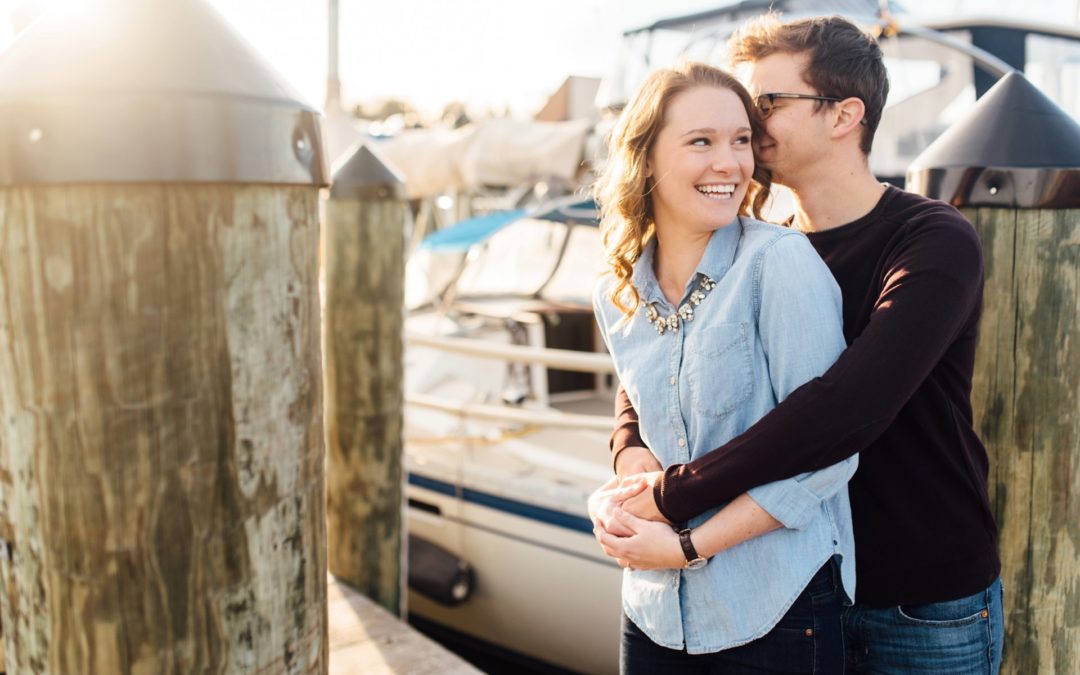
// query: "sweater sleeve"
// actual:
[[626, 433], [930, 289]]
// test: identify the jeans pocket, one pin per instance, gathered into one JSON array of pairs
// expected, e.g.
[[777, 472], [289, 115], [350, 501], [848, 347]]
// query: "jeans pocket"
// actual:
[[948, 614]]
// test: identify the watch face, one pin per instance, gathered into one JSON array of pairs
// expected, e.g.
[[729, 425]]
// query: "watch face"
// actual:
[[697, 563]]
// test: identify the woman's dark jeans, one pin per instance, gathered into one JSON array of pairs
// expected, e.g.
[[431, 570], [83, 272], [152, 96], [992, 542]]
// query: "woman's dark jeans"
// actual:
[[808, 639]]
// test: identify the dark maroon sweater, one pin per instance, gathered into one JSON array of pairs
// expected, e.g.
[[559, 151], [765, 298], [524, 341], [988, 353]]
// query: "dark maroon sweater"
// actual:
[[911, 276]]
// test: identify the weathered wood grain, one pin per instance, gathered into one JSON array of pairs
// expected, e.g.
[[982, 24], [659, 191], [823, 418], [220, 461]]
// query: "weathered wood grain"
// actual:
[[365, 638], [161, 460], [363, 319], [1026, 394]]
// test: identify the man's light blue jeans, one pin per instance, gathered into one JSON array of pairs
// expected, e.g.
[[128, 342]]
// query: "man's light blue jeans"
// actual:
[[960, 637]]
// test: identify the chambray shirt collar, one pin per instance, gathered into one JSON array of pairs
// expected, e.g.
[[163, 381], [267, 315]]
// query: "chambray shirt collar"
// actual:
[[715, 262]]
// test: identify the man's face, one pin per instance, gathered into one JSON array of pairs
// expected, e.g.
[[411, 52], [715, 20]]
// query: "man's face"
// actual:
[[797, 133]]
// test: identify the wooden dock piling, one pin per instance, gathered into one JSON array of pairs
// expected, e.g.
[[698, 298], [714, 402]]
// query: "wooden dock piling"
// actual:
[[161, 449], [1026, 394], [364, 262], [1013, 165]]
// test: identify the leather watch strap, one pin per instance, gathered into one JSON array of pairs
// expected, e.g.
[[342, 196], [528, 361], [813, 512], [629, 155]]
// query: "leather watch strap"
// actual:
[[687, 545]]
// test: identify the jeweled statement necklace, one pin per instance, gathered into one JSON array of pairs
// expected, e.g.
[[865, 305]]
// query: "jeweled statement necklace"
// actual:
[[664, 324]]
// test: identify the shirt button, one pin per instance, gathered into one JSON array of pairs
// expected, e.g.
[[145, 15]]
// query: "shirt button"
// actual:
[[673, 380], [682, 442]]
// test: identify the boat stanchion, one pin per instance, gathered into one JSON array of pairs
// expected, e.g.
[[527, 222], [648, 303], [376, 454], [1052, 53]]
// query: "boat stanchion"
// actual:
[[161, 451], [363, 320], [1012, 164]]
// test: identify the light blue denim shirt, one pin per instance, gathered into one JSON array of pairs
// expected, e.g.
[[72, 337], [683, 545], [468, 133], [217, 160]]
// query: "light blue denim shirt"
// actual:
[[771, 323]]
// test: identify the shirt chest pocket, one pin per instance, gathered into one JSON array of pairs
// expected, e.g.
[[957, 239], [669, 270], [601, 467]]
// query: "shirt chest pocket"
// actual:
[[718, 369]]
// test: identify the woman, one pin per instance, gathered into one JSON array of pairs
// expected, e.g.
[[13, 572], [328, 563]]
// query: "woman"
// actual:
[[711, 318]]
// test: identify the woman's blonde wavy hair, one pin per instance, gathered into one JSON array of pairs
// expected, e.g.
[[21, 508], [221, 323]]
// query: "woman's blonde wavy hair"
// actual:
[[622, 189]]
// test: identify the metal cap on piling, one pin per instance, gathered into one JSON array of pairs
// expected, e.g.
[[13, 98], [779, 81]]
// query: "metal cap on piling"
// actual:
[[150, 91], [1015, 148], [364, 175]]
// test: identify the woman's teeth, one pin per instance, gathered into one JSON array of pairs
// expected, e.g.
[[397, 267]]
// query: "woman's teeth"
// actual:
[[716, 191]]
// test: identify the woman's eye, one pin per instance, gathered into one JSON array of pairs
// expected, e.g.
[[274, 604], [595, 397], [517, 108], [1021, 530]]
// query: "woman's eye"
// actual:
[[742, 140], [700, 141]]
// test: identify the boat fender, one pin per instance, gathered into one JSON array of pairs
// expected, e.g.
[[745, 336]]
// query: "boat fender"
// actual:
[[438, 574]]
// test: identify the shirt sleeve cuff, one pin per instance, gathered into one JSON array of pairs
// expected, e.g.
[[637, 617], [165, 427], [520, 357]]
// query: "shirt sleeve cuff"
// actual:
[[787, 501]]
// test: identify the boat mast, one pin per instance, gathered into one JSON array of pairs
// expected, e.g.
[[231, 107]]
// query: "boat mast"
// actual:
[[333, 82]]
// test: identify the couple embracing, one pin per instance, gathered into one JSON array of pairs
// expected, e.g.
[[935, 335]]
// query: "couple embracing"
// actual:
[[798, 486]]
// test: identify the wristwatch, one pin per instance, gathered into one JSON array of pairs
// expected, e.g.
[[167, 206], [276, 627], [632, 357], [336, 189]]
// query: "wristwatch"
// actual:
[[693, 560]]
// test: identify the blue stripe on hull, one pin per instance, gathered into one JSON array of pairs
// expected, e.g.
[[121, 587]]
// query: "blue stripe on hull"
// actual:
[[433, 485], [522, 509]]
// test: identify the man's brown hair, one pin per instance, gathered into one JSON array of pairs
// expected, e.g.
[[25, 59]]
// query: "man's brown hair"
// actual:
[[843, 60]]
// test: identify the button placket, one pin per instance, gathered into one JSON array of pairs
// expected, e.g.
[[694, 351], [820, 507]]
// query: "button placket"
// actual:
[[674, 396], [674, 415]]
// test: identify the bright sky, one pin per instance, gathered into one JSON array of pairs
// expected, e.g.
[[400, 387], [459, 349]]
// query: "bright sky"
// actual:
[[483, 52]]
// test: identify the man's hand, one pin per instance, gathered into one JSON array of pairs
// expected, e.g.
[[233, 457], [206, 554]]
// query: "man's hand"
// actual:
[[642, 503], [653, 546], [607, 498], [636, 459]]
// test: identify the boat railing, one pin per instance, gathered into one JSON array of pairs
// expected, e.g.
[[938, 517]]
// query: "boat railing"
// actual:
[[526, 416], [562, 359]]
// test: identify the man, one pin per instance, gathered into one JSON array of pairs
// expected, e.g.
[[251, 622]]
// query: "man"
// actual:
[[928, 597]]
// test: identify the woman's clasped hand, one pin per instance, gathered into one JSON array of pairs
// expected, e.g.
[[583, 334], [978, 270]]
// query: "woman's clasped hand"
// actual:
[[633, 542]]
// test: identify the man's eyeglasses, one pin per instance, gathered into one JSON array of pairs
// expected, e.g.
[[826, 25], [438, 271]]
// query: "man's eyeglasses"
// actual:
[[766, 103]]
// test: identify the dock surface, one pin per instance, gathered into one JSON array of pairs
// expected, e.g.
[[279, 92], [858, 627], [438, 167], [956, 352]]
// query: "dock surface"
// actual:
[[366, 639]]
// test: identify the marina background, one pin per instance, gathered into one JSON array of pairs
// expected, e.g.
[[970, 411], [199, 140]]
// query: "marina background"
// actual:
[[491, 55], [493, 465]]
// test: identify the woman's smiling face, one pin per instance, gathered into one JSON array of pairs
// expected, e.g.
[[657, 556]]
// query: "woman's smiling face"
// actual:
[[702, 161]]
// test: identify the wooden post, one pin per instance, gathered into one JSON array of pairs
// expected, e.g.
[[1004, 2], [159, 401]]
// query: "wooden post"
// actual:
[[161, 465], [1026, 385], [363, 321], [162, 454], [1026, 394]]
